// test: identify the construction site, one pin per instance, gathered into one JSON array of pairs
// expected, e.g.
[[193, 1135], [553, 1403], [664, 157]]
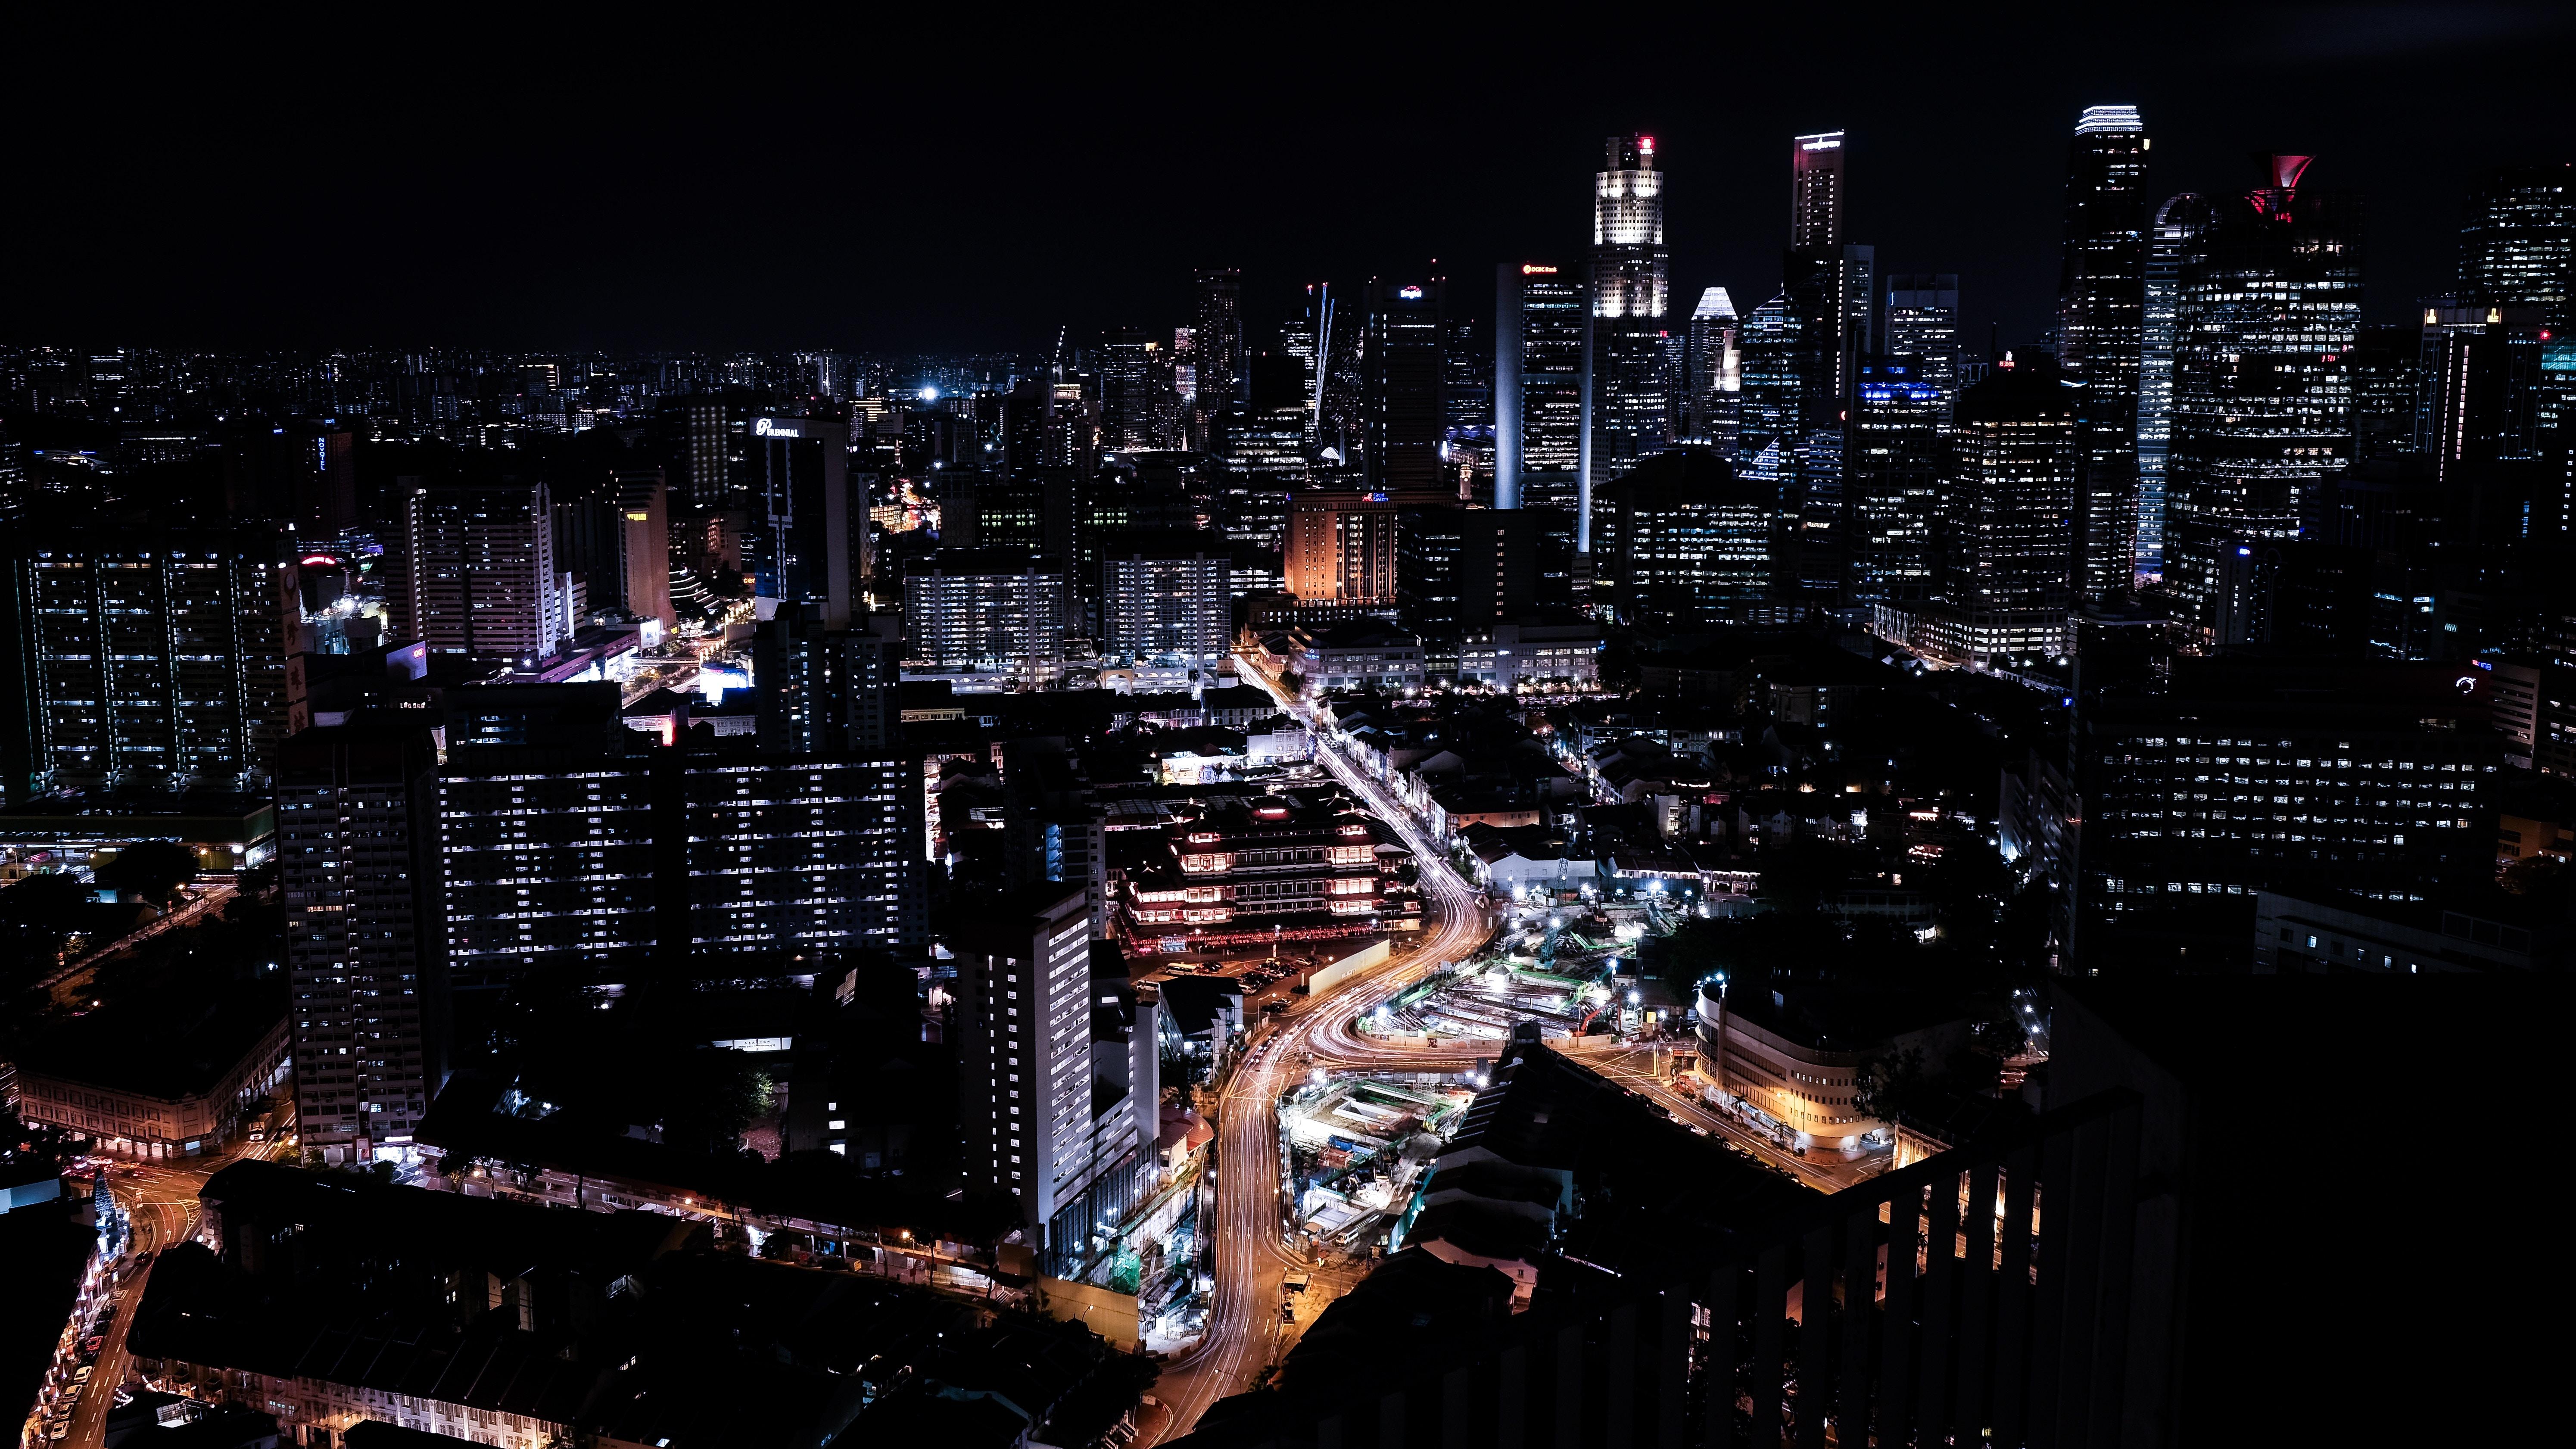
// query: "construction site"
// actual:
[[1554, 967], [1352, 1147]]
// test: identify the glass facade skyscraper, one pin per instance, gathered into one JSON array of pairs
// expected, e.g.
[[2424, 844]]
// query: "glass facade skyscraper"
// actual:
[[1716, 372], [1539, 324], [2262, 411], [2101, 299], [2518, 240], [2178, 225]]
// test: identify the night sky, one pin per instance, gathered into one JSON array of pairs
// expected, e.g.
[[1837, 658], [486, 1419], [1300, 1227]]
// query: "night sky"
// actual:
[[968, 179]]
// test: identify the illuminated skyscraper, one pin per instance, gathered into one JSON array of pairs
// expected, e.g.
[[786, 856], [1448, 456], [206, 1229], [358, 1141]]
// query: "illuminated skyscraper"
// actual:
[[1716, 372], [1922, 322], [2101, 299], [2007, 525], [1891, 478], [1539, 324], [1404, 355], [1630, 292], [2178, 225], [1816, 191], [1129, 418], [2262, 408], [1217, 341], [2518, 240]]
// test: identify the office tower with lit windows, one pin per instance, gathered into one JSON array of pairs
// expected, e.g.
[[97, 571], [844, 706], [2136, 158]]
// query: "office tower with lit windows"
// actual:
[[479, 576], [1403, 408], [1259, 452], [2270, 303], [1216, 342], [1303, 337], [2007, 530], [1816, 191], [992, 611], [2490, 418], [2387, 382], [1892, 477], [1166, 592], [357, 845], [588, 868], [1773, 406], [1626, 413], [147, 659], [808, 533], [2174, 234], [1714, 372], [1467, 376], [1129, 415], [1921, 321], [1539, 325], [1342, 548], [1828, 282], [1684, 541], [1460, 568], [1037, 1124], [2101, 302], [2518, 240]]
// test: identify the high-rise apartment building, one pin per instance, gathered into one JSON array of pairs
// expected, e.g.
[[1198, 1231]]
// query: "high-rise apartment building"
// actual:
[[1403, 410], [2262, 410], [1035, 1124], [2518, 240], [356, 816], [997, 611], [1714, 372], [703, 440], [479, 576], [588, 868], [2174, 234], [829, 691], [1539, 325], [1166, 592], [2101, 302], [1922, 322], [2007, 582], [147, 659], [1342, 548], [1626, 410]]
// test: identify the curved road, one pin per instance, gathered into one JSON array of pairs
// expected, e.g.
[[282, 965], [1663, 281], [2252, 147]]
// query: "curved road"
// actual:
[[160, 1200], [1251, 1258]]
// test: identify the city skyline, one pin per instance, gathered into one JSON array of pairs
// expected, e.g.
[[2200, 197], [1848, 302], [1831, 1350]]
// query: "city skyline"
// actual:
[[453, 234], [836, 735]]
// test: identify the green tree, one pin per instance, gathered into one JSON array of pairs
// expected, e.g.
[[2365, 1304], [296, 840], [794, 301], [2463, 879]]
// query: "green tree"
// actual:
[[152, 869]]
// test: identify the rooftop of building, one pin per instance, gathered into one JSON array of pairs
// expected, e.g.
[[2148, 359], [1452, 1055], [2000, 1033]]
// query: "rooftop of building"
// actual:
[[176, 1040], [666, 1341]]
